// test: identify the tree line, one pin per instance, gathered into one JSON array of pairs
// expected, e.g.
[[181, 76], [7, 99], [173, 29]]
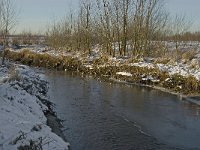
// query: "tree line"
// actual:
[[8, 19], [119, 27]]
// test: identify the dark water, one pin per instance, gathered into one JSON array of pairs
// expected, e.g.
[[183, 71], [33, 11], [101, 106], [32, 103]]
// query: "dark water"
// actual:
[[104, 116]]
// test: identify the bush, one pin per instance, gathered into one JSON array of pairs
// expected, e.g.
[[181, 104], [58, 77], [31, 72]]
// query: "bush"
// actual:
[[13, 75], [189, 55]]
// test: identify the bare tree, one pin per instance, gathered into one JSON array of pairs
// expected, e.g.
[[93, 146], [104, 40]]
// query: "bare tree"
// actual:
[[86, 22], [112, 24], [179, 25], [117, 17], [8, 21], [149, 20], [125, 8]]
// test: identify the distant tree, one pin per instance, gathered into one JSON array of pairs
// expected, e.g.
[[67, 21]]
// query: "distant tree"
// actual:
[[180, 25], [86, 21], [115, 25], [149, 20], [8, 19]]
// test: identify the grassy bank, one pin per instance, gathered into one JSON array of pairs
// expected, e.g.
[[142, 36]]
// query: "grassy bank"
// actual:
[[101, 69]]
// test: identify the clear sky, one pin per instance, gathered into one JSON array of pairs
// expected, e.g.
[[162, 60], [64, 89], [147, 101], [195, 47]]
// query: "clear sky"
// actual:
[[190, 8], [35, 15]]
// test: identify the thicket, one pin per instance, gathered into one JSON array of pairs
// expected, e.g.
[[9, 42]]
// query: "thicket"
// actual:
[[8, 19], [118, 27]]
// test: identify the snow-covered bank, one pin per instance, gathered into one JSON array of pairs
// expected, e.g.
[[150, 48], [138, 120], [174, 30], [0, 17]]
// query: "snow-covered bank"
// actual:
[[184, 68], [180, 76], [22, 121]]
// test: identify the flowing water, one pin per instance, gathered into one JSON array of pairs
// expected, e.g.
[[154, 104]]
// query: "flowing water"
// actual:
[[102, 116]]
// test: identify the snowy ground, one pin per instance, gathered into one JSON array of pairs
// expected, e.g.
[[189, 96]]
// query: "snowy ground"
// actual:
[[184, 70], [22, 121]]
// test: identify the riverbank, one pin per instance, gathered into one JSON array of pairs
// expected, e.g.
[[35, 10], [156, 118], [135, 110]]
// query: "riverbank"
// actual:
[[192, 98], [25, 112], [176, 78]]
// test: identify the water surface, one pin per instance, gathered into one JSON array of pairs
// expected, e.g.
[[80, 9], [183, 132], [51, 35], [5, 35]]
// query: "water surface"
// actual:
[[99, 115]]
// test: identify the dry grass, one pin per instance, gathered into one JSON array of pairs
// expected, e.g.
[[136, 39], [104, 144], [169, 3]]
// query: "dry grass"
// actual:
[[175, 83], [189, 55], [162, 60], [44, 60], [13, 75]]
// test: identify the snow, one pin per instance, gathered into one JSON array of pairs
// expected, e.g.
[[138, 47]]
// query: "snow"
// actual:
[[21, 112], [1, 47], [184, 70], [89, 66], [124, 74], [149, 78], [3, 74], [181, 69], [143, 64]]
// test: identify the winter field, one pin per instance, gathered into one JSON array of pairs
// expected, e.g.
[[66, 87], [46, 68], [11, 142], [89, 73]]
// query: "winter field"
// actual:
[[23, 124]]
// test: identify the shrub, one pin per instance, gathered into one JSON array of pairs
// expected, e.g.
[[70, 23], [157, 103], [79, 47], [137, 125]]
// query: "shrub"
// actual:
[[189, 55], [13, 75]]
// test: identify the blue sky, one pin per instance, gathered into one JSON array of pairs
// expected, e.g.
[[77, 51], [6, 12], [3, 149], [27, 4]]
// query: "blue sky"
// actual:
[[190, 8], [35, 15]]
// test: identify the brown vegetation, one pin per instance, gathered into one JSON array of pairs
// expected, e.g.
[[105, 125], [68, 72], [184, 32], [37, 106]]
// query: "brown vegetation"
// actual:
[[118, 27], [176, 83]]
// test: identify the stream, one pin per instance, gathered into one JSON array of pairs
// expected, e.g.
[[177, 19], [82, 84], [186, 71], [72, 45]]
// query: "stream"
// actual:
[[103, 116]]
